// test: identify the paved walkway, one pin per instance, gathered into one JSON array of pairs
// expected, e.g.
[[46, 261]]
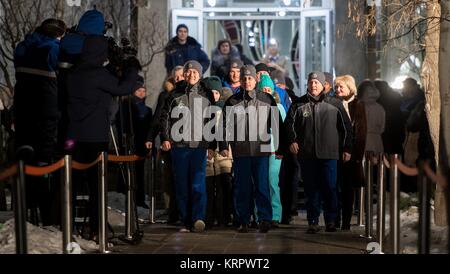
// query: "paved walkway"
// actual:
[[288, 239]]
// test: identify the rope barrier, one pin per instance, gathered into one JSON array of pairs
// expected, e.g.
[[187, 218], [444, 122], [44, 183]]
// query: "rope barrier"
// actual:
[[82, 166], [128, 158], [9, 172], [409, 171], [41, 171], [435, 178]]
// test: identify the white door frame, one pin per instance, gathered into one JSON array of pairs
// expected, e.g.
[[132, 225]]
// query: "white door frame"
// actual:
[[328, 48]]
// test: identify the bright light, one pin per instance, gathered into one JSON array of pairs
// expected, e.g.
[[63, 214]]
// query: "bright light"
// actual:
[[251, 34], [248, 24], [256, 30], [272, 41], [282, 13], [212, 3], [211, 14], [398, 82], [287, 2]]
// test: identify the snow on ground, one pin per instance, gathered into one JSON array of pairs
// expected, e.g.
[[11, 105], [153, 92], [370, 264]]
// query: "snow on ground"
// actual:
[[48, 240], [409, 227], [40, 240], [116, 209]]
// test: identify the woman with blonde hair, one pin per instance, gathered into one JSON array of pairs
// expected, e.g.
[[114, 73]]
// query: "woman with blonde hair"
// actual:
[[350, 174]]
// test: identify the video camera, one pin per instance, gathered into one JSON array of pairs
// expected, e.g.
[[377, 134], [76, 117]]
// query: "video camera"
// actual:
[[118, 55]]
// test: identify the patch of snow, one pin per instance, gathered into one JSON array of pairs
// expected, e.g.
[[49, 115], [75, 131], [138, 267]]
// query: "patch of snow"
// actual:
[[40, 240]]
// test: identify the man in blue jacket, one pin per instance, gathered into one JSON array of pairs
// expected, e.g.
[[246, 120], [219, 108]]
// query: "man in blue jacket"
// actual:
[[35, 105], [183, 48], [91, 24]]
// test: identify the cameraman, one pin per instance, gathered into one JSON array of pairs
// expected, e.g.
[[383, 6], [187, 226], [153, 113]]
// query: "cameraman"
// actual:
[[90, 89], [91, 24]]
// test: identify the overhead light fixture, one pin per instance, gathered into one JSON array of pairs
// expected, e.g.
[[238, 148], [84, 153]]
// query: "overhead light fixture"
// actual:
[[287, 2], [248, 24], [282, 13], [212, 14], [212, 3]]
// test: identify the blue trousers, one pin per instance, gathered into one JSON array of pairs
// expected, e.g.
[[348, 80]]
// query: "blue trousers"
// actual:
[[189, 167], [252, 176], [319, 177]]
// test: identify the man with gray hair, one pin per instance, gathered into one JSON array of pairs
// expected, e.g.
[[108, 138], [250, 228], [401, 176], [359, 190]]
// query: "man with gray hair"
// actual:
[[181, 132], [251, 160]]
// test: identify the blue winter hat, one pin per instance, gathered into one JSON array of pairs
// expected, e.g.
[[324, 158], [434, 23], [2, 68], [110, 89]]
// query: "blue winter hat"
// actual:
[[182, 26], [92, 22], [265, 82]]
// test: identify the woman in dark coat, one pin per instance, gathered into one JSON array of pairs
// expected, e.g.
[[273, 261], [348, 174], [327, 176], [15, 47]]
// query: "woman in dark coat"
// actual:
[[350, 174]]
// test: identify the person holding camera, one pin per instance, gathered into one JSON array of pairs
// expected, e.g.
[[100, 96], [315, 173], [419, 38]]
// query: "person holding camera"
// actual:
[[90, 88], [91, 24], [35, 107]]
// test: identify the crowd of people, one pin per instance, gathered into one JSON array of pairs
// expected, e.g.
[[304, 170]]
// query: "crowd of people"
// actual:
[[63, 104]]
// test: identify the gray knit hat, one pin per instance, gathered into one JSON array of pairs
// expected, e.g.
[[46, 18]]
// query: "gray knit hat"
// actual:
[[248, 70], [317, 75], [193, 65]]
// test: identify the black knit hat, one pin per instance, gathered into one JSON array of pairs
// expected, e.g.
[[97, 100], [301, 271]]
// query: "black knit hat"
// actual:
[[140, 83], [213, 83], [261, 67], [182, 26]]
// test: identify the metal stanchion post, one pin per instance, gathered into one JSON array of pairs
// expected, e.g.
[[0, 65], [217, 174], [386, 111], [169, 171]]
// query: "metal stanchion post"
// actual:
[[151, 190], [424, 211], [20, 211], [129, 213], [361, 201], [394, 222], [67, 204], [369, 201], [381, 201], [103, 214]]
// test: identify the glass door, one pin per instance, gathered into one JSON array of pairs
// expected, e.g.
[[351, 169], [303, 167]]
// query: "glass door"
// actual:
[[315, 44]]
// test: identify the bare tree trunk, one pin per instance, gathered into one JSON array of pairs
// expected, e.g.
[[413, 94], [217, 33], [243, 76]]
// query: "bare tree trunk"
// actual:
[[60, 9], [430, 78], [444, 70]]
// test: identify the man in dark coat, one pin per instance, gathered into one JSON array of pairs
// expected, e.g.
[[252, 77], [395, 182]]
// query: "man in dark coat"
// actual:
[[90, 88], [91, 24], [35, 105], [184, 109], [313, 126], [244, 114], [183, 48]]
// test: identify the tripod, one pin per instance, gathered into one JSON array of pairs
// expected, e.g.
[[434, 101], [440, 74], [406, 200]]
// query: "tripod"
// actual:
[[133, 234]]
